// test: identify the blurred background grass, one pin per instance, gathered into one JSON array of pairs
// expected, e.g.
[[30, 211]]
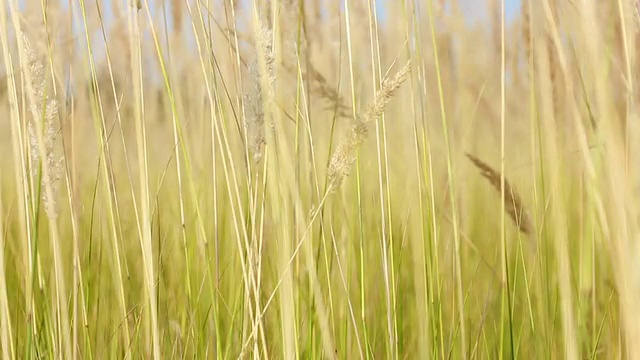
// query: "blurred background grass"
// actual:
[[319, 179]]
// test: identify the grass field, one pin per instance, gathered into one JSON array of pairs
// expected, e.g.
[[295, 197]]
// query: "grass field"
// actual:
[[319, 179]]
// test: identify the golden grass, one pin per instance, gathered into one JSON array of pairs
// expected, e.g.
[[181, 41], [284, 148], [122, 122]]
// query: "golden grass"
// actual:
[[291, 179]]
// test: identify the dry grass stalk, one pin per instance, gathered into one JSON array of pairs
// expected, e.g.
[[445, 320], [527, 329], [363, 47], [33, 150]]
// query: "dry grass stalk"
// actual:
[[555, 73], [176, 13], [635, 5], [513, 204], [526, 31], [344, 156], [494, 9], [47, 110]]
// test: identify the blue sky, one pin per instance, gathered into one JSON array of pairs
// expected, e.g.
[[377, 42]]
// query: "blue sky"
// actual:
[[476, 9], [512, 7]]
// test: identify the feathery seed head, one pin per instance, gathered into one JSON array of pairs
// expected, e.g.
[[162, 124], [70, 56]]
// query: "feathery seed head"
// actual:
[[514, 206], [35, 68], [258, 95], [387, 90], [48, 114], [345, 154]]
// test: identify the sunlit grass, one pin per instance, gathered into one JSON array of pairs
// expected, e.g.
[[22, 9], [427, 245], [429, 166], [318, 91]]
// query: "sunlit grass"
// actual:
[[309, 179]]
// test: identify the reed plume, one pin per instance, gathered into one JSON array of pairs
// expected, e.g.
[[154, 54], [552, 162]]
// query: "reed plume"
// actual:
[[345, 154], [320, 86], [47, 112], [512, 201], [258, 95]]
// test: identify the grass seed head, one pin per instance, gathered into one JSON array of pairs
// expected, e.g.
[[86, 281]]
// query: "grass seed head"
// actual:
[[260, 91], [513, 203], [47, 112], [345, 155]]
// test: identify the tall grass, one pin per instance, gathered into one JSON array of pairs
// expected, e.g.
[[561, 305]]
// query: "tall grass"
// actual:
[[318, 179]]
